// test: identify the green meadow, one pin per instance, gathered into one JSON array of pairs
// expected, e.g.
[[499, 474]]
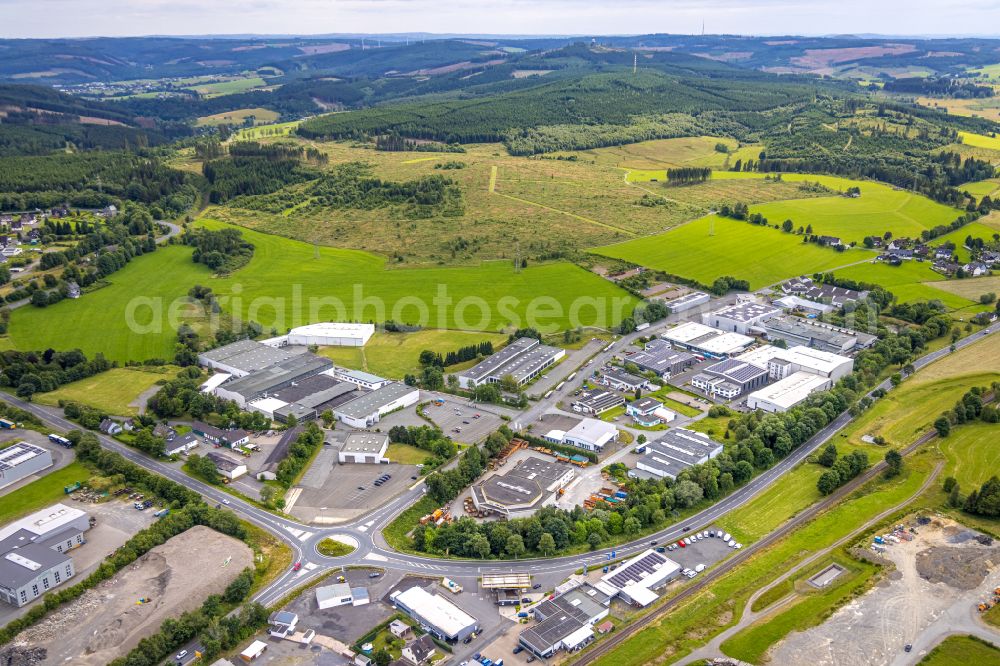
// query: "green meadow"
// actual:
[[761, 255], [982, 188], [911, 281], [980, 140], [289, 283]]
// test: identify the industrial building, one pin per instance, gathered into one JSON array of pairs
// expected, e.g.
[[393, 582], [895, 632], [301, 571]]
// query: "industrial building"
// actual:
[[619, 380], [523, 360], [804, 305], [366, 410], [305, 399], [781, 363], [281, 624], [227, 466], [357, 377], [33, 557], [436, 615], [523, 490], [229, 438], [661, 358], [816, 334], [741, 317], [326, 334], [259, 384], [179, 444], [729, 378], [687, 301], [635, 580], [364, 447], [589, 434], [340, 594], [674, 452], [565, 622], [788, 392], [707, 341], [597, 402], [649, 412], [244, 357], [21, 460]]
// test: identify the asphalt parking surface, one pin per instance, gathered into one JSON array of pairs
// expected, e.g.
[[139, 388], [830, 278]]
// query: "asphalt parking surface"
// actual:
[[461, 415]]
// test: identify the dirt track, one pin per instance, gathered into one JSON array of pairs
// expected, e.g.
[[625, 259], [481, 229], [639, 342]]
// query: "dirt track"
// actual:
[[107, 622]]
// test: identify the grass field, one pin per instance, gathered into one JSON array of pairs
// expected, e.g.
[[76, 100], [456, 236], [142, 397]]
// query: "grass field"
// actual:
[[332, 548], [971, 288], [98, 322], [980, 140], [972, 453], [666, 153], [111, 392], [394, 355], [761, 256], [988, 108], [41, 493], [911, 281], [982, 188], [229, 87], [265, 131], [238, 117], [962, 651], [405, 454]]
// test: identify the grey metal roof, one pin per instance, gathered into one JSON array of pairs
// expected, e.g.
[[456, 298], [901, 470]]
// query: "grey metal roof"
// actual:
[[249, 355], [687, 447], [223, 462], [19, 453], [745, 312], [365, 442], [278, 375], [600, 400], [21, 564], [370, 402], [492, 363], [618, 375], [638, 570], [738, 371], [660, 358]]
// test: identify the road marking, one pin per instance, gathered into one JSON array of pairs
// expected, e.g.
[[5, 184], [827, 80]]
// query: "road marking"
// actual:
[[304, 536], [376, 557], [363, 528], [295, 532]]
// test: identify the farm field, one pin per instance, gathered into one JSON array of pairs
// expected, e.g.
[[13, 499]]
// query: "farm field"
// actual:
[[987, 108], [971, 288], [972, 454], [666, 153], [961, 651], [228, 87], [98, 321], [111, 392], [880, 207], [911, 281], [238, 117], [982, 188], [763, 256], [265, 131], [394, 355], [547, 206], [981, 140]]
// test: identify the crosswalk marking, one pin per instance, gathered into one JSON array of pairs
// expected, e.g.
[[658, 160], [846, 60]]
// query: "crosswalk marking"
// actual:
[[304, 536]]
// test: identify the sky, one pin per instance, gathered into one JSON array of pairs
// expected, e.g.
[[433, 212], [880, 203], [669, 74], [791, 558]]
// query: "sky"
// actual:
[[84, 18]]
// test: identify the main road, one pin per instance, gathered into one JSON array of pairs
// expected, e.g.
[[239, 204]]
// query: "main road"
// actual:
[[366, 531]]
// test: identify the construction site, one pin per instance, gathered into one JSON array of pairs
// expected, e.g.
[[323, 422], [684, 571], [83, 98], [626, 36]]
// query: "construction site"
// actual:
[[109, 620], [939, 577]]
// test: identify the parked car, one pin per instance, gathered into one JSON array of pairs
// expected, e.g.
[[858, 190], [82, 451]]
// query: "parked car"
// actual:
[[726, 537], [682, 544], [699, 568], [536, 586], [518, 649], [374, 574], [181, 655], [297, 566]]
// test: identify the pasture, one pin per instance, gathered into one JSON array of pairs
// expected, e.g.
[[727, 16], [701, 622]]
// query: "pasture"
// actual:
[[111, 392], [982, 188], [238, 117], [980, 140], [988, 107], [972, 454], [971, 288], [666, 153], [911, 281], [265, 131], [961, 650], [228, 86], [763, 256], [395, 355]]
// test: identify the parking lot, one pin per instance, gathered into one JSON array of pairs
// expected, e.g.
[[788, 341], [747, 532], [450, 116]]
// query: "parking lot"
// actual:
[[458, 419], [60, 456]]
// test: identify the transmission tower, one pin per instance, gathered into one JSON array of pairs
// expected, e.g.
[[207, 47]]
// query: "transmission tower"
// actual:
[[517, 257]]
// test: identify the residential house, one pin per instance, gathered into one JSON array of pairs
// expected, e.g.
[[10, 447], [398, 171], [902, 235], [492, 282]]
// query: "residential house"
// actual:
[[400, 629], [649, 412], [419, 650], [832, 241], [109, 427], [73, 290], [164, 431], [976, 269]]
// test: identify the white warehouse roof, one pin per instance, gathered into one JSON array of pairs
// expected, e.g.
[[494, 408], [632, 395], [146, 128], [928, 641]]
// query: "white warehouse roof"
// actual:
[[45, 521], [689, 331], [444, 615], [788, 392], [333, 330], [592, 430]]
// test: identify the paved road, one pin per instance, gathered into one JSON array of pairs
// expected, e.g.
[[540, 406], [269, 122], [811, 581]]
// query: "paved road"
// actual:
[[366, 530]]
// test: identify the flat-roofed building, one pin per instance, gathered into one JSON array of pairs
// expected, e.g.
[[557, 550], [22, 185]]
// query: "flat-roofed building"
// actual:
[[675, 451], [635, 580], [250, 387], [597, 402], [814, 361], [565, 622], [797, 303], [244, 357], [730, 378], [364, 447], [591, 435], [740, 317], [359, 378], [649, 412], [527, 487], [796, 331], [367, 409], [661, 358], [619, 380], [707, 341], [788, 392], [436, 615], [227, 466], [523, 360], [687, 301], [21, 460], [330, 333]]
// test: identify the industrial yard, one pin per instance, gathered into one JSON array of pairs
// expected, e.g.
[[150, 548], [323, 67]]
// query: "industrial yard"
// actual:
[[110, 619]]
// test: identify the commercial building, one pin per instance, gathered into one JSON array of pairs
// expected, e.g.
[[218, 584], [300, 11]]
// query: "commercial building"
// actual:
[[364, 447], [707, 341], [244, 357], [661, 358], [741, 317], [523, 490], [804, 305], [566, 621], [262, 383], [687, 301], [281, 624], [21, 460], [816, 334], [649, 412], [305, 399], [729, 378], [597, 402], [227, 466], [180, 444], [333, 334], [228, 438], [523, 360], [340, 594], [590, 434], [358, 378], [814, 361], [33, 557], [436, 615], [788, 392], [824, 293], [674, 452], [366, 410], [619, 380], [635, 580]]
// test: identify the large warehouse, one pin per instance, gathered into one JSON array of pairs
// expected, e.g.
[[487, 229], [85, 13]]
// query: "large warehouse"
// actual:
[[788, 392], [21, 460], [329, 333], [635, 580], [729, 378], [261, 383], [33, 549], [523, 360], [364, 447], [741, 317], [523, 490], [244, 357], [661, 358], [819, 335], [366, 410], [707, 341], [674, 452], [436, 615], [565, 621]]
